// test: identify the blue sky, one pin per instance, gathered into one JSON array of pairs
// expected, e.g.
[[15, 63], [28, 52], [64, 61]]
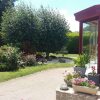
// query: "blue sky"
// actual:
[[66, 8]]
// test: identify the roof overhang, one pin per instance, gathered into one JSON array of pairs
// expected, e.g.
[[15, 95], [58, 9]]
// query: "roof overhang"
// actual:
[[89, 13]]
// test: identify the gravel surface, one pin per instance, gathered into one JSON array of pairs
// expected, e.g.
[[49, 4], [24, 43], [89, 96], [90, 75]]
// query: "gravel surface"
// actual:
[[39, 86]]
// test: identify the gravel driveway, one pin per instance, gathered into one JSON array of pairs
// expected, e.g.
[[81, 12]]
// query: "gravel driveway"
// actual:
[[39, 86]]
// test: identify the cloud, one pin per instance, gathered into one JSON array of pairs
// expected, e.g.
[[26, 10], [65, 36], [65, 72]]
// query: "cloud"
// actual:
[[74, 25]]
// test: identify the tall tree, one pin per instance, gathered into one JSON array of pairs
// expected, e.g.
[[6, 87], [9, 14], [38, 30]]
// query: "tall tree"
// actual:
[[5, 4], [53, 31], [21, 27]]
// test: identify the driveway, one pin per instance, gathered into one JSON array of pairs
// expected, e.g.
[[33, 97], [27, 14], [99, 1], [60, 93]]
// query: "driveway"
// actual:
[[39, 86]]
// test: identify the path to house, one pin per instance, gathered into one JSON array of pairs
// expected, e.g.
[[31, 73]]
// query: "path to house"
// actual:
[[39, 86]]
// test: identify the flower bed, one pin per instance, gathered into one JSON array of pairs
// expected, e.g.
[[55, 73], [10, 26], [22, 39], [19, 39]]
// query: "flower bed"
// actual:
[[80, 84]]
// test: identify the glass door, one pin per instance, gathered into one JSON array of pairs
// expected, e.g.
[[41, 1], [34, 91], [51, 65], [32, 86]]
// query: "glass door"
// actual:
[[93, 42], [90, 36]]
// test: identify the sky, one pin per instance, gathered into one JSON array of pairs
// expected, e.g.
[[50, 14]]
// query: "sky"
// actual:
[[65, 7]]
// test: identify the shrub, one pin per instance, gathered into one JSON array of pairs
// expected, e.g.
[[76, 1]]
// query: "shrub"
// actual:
[[82, 60], [30, 60], [73, 42], [2, 38], [9, 57]]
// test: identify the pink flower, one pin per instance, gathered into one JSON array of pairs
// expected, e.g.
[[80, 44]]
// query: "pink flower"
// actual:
[[93, 68], [84, 82], [91, 82]]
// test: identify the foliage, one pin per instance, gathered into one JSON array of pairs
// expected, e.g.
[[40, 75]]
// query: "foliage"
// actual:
[[84, 82], [63, 51], [73, 42], [2, 40], [69, 76], [53, 31], [86, 37], [82, 60], [43, 30], [9, 57], [93, 73], [21, 27], [29, 60], [86, 42], [4, 4]]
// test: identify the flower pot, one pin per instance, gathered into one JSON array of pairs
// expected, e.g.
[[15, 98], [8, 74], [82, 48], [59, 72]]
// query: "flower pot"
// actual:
[[68, 82], [85, 89], [80, 70], [94, 78]]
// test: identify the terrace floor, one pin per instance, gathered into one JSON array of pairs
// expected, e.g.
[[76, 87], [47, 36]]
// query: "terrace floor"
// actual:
[[39, 86]]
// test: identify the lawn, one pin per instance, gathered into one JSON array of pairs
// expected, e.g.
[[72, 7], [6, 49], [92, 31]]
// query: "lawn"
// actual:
[[72, 56], [4, 76]]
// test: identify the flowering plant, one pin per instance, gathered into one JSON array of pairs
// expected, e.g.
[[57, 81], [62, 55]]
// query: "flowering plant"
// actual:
[[84, 82], [68, 77], [93, 73]]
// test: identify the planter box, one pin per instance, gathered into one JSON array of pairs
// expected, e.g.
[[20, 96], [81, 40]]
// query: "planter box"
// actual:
[[94, 78], [85, 89], [80, 69], [71, 95]]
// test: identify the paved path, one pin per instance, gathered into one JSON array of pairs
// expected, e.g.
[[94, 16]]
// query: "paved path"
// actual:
[[39, 86]]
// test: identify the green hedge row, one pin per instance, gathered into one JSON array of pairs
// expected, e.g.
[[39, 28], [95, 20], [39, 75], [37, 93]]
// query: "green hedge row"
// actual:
[[73, 42]]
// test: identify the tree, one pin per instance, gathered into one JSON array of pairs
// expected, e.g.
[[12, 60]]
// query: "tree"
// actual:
[[21, 27], [53, 31], [5, 4]]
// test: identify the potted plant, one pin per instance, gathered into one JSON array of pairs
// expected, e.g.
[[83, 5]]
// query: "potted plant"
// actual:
[[68, 77], [80, 63], [84, 85], [94, 76]]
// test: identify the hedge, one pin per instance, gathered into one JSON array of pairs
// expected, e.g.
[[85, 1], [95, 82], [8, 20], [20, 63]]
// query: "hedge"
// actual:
[[73, 42]]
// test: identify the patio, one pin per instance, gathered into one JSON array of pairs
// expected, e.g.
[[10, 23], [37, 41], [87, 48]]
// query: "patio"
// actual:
[[39, 86]]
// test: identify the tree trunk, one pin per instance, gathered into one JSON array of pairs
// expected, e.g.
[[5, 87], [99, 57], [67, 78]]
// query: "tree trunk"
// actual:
[[47, 55]]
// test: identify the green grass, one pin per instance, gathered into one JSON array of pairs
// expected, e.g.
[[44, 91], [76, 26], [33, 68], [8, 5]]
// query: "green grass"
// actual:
[[72, 56], [4, 76]]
